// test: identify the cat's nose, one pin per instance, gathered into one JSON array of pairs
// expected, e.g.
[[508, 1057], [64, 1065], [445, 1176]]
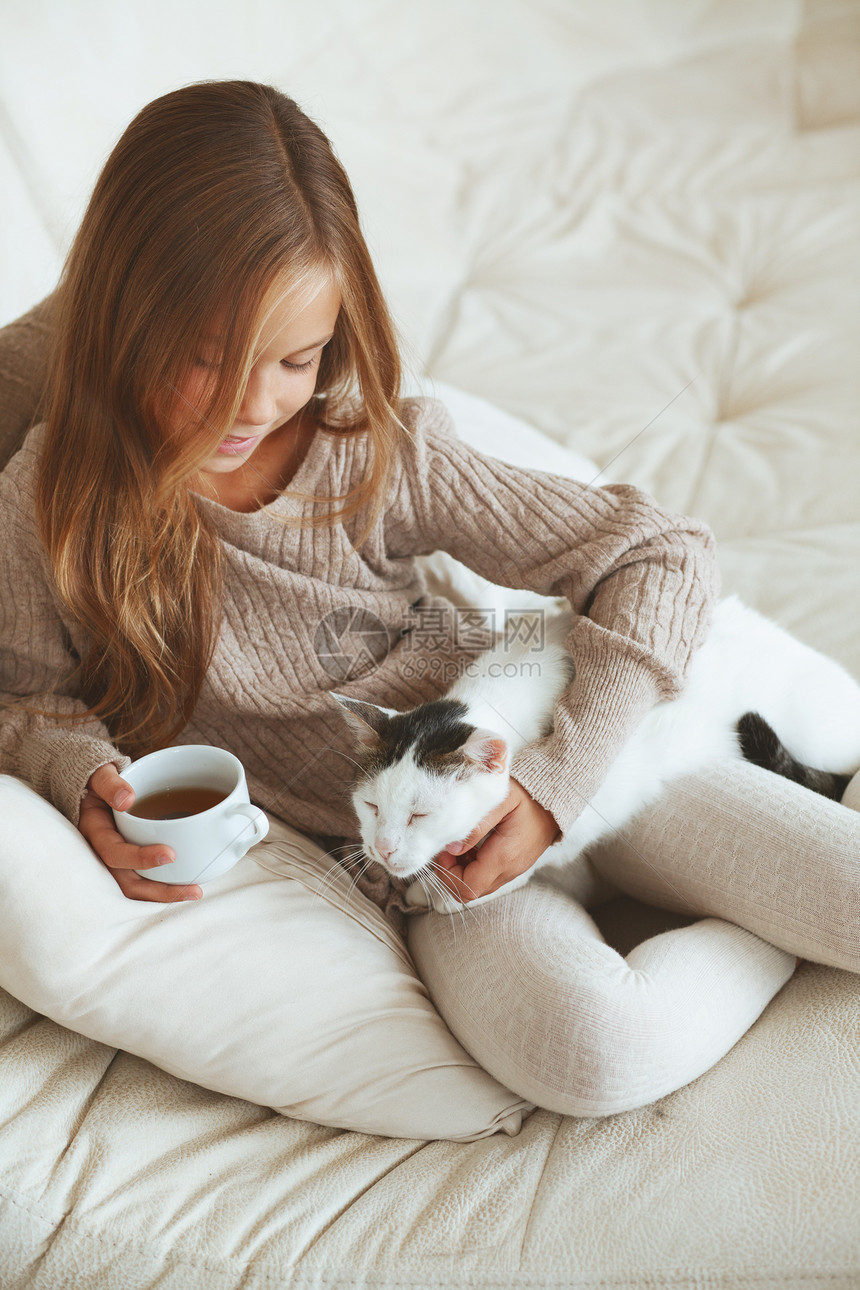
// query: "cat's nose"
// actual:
[[385, 849]]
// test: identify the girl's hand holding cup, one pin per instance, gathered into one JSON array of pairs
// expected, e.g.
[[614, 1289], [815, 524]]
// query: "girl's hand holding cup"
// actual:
[[184, 811], [107, 789]]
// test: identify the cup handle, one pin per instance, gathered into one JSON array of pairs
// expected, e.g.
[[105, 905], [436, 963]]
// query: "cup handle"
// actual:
[[258, 819]]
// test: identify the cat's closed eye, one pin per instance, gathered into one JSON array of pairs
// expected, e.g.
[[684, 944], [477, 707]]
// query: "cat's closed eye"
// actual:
[[417, 816], [373, 807]]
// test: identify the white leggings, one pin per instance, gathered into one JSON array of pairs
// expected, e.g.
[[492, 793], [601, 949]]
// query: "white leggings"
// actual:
[[285, 986], [530, 987]]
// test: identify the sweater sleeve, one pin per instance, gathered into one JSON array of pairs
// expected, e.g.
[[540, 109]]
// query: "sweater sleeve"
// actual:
[[36, 661], [642, 581]]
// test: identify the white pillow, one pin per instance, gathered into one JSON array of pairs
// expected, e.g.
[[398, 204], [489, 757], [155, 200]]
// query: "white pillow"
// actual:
[[283, 985]]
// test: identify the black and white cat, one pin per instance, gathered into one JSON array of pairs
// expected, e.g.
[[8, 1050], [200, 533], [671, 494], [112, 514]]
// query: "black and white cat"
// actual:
[[428, 776]]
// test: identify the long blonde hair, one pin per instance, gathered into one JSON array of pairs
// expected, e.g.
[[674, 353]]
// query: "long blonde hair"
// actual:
[[216, 196]]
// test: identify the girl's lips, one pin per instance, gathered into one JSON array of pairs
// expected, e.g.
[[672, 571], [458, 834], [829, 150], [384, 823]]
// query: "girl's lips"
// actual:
[[232, 446]]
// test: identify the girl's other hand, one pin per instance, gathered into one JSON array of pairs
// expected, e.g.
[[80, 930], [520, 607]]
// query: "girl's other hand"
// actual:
[[511, 838], [105, 789]]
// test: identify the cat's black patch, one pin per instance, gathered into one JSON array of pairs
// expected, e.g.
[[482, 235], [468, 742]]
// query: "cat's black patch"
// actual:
[[761, 745], [434, 732]]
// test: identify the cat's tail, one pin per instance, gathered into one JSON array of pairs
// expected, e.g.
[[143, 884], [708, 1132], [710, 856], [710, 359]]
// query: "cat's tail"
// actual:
[[761, 744]]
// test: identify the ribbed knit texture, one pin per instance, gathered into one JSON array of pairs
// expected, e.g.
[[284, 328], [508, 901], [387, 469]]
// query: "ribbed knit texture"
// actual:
[[643, 580], [23, 373]]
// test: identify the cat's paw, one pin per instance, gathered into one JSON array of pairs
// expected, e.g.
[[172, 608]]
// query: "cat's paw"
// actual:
[[416, 896]]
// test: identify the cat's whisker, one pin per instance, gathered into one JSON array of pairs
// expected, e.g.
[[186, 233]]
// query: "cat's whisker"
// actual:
[[340, 753], [468, 888], [349, 852], [345, 846], [426, 877], [435, 884], [355, 854], [364, 868], [345, 781], [350, 863], [329, 880], [445, 892]]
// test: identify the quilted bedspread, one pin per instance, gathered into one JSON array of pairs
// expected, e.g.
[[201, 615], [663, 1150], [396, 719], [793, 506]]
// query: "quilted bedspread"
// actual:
[[635, 225]]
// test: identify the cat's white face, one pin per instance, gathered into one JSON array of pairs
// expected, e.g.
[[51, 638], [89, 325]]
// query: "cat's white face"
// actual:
[[427, 777], [408, 816]]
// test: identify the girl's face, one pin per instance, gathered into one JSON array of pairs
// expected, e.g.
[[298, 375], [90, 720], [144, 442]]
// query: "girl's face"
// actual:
[[282, 380]]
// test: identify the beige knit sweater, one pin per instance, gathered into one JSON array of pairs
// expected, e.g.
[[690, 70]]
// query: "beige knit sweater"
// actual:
[[305, 613]]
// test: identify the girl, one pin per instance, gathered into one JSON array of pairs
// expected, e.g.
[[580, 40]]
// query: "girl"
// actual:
[[216, 525]]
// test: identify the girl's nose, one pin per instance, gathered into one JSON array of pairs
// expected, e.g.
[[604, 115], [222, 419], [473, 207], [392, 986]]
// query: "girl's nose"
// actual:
[[259, 406]]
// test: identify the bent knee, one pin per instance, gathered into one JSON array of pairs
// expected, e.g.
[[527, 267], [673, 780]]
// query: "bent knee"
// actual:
[[599, 1063]]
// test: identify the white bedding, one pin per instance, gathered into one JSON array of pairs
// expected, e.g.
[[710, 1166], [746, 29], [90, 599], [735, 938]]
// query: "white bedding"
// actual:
[[633, 224]]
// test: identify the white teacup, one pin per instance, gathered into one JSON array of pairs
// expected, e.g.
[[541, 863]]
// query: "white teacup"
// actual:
[[208, 842]]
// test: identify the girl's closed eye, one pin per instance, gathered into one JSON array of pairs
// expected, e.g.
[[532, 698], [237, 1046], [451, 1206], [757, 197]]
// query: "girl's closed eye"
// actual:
[[299, 367]]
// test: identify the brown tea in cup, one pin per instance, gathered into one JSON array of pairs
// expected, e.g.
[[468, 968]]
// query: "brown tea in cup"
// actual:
[[176, 803], [194, 799]]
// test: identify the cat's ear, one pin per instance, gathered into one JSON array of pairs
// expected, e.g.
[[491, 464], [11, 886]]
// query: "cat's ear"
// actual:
[[487, 750], [366, 720]]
